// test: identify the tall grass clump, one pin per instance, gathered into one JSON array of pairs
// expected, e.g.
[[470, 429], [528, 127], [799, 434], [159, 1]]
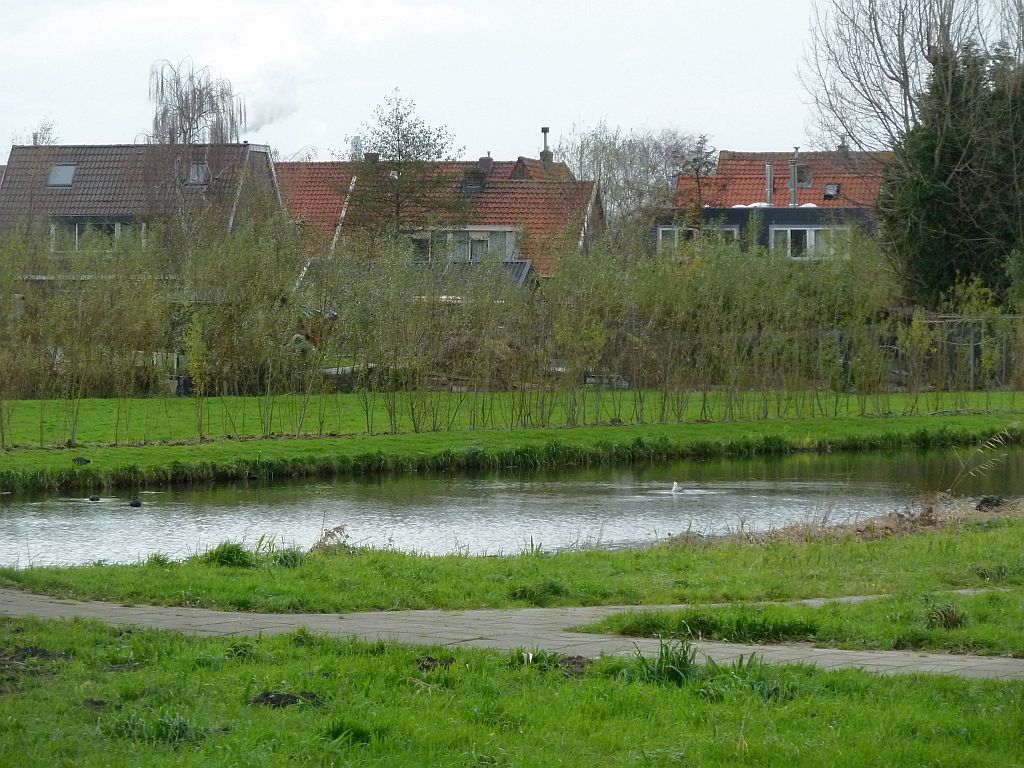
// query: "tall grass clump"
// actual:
[[230, 554]]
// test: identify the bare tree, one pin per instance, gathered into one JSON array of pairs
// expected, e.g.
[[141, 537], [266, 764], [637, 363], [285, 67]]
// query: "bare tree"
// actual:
[[44, 134], [868, 61], [637, 170], [193, 106]]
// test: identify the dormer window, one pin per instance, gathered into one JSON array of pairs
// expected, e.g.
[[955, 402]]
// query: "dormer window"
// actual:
[[473, 183], [198, 174], [61, 175]]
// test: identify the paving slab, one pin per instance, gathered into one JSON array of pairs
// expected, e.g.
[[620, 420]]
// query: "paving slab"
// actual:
[[499, 629]]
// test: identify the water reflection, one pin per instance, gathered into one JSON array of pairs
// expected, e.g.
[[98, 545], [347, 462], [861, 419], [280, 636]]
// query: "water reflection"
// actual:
[[490, 514]]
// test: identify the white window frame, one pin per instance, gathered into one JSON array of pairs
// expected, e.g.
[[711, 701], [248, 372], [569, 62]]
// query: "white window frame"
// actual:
[[78, 229], [813, 233], [669, 234], [476, 234], [198, 174]]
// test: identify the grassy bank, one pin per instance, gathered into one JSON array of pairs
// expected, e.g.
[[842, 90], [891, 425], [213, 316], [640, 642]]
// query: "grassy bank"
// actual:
[[980, 554], [231, 460], [985, 623], [85, 695], [126, 421]]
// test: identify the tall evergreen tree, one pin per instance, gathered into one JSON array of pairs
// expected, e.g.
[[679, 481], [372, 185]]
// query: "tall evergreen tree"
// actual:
[[951, 208]]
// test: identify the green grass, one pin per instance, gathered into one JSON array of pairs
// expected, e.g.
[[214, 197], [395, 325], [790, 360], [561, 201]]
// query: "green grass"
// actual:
[[120, 421], [989, 623], [78, 694], [27, 469], [983, 554]]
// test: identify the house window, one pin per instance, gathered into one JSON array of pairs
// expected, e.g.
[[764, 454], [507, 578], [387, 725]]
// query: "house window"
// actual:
[[61, 175], [464, 244], [672, 236], [198, 174], [831, 191], [803, 242], [69, 233], [460, 246], [421, 247], [498, 243], [803, 176], [478, 246]]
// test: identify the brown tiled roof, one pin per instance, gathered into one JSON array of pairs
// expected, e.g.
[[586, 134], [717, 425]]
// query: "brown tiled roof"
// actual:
[[546, 202], [120, 180], [739, 179]]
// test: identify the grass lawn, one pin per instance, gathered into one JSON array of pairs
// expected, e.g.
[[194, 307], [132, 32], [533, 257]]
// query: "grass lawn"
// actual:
[[26, 469], [79, 694], [988, 553], [990, 623], [119, 421]]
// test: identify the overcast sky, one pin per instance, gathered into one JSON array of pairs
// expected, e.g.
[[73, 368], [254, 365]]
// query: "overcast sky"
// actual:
[[493, 71]]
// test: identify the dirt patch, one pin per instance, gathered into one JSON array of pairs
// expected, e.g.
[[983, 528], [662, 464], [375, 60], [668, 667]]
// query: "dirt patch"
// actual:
[[279, 699], [99, 705], [16, 666], [574, 666], [21, 655], [938, 511], [429, 663]]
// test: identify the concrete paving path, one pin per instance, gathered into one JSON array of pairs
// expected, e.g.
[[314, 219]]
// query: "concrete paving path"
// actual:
[[528, 628]]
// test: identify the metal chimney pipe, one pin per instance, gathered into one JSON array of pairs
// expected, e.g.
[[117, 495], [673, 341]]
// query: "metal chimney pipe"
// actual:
[[792, 183], [769, 183], [547, 156]]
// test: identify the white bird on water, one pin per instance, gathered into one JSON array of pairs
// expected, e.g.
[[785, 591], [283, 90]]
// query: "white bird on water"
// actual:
[[676, 487]]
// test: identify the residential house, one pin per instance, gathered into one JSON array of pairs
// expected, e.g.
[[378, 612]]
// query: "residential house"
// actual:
[[525, 211], [70, 189], [797, 200]]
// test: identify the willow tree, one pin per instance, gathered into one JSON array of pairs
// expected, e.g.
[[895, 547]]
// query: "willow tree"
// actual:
[[192, 105], [637, 171]]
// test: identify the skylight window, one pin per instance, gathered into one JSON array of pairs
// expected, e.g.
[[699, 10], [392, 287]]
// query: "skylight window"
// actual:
[[831, 191], [61, 175], [198, 173]]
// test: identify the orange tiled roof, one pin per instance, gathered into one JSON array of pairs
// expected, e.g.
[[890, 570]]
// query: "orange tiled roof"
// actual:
[[545, 201], [314, 193], [739, 179]]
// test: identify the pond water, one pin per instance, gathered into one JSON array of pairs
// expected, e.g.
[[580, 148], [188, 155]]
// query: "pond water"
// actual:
[[491, 514]]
